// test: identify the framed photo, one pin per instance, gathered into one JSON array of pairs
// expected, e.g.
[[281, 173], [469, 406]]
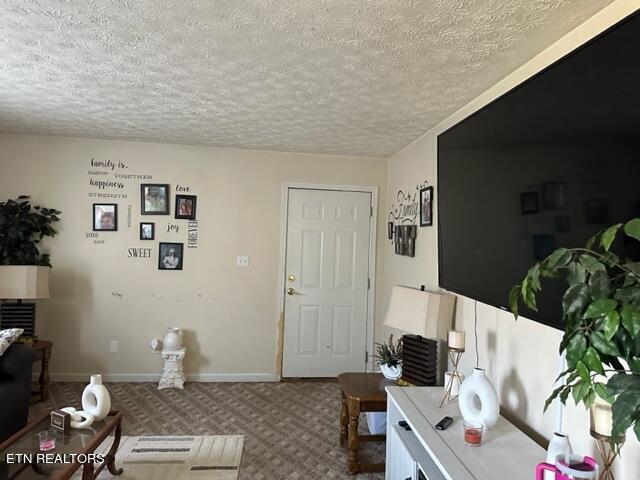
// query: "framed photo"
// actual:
[[105, 217], [529, 204], [426, 207], [170, 256], [186, 207], [154, 199], [553, 196], [147, 231]]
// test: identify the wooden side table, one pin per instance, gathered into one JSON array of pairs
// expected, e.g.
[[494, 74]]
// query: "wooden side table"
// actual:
[[43, 354], [361, 392]]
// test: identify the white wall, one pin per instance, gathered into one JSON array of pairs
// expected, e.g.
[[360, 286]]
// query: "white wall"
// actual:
[[98, 293], [520, 356]]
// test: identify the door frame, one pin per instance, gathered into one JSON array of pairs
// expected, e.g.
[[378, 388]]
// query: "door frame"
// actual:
[[281, 282]]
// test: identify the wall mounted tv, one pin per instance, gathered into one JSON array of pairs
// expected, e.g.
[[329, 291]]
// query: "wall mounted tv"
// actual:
[[546, 165]]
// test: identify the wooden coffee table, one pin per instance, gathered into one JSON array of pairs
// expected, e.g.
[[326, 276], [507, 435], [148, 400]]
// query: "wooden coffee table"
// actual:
[[361, 392], [73, 443]]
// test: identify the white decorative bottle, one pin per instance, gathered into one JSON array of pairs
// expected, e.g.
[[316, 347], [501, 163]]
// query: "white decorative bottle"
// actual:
[[172, 340], [478, 385], [95, 398]]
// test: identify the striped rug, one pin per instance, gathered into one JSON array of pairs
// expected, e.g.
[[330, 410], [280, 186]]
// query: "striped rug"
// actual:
[[176, 458]]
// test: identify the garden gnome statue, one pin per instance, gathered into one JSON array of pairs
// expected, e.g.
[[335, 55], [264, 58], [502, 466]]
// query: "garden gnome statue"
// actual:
[[172, 352]]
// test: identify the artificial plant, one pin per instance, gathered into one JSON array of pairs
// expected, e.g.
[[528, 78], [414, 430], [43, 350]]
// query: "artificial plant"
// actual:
[[389, 353], [601, 314], [22, 227]]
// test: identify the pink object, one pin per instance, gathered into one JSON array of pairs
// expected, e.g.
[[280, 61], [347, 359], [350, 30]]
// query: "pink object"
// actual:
[[569, 467], [47, 440]]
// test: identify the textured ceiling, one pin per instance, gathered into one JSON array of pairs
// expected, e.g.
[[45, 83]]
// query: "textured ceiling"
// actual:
[[323, 76]]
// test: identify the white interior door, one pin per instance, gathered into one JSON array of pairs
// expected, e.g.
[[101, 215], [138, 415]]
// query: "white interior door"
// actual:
[[326, 289]]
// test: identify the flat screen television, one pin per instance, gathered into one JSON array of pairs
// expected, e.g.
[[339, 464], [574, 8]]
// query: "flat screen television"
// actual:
[[548, 164]]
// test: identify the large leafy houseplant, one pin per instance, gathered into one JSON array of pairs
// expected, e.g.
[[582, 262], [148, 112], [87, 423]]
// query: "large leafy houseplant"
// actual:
[[22, 227], [601, 314]]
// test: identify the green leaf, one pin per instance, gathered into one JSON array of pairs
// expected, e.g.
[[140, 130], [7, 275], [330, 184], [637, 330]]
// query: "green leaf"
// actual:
[[601, 307], [602, 345], [591, 263], [583, 371], [623, 381], [559, 258], [575, 299], [634, 363], [576, 348], [624, 410], [592, 360], [632, 228], [630, 319], [602, 392], [578, 391], [589, 398], [611, 324], [636, 429], [552, 397], [513, 300], [576, 273], [634, 267], [609, 235], [627, 294], [599, 285]]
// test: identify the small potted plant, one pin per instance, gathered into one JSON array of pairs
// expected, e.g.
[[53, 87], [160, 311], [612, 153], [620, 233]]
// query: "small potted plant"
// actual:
[[601, 314], [389, 356]]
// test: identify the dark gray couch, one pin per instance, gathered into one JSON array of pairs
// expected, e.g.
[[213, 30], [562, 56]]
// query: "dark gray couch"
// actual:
[[15, 388]]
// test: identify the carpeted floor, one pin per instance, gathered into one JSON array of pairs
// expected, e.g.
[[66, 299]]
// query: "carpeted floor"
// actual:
[[291, 428]]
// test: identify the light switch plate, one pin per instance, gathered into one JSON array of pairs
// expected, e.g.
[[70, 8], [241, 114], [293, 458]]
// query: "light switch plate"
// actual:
[[114, 346], [243, 261]]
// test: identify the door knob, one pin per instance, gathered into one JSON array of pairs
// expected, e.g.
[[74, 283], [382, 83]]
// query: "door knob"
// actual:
[[291, 291]]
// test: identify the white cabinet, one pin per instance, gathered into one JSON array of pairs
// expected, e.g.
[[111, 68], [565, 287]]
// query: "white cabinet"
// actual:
[[400, 462], [420, 452]]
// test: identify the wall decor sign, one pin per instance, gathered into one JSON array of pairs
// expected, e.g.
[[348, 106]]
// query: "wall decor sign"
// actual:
[[105, 217], [154, 199], [405, 210], [426, 207], [170, 256], [185, 207], [147, 230]]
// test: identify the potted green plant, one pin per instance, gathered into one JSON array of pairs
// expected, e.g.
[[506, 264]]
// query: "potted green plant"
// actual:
[[389, 356], [601, 314], [24, 270]]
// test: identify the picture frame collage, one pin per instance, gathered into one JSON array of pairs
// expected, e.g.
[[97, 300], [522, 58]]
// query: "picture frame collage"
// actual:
[[154, 200]]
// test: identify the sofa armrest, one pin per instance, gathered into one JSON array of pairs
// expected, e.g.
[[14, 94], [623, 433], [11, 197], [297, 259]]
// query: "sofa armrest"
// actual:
[[16, 359]]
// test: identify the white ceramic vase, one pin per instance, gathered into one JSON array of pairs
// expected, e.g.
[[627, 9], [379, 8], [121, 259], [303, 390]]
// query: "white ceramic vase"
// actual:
[[172, 339], [558, 445], [391, 373], [95, 398], [478, 387]]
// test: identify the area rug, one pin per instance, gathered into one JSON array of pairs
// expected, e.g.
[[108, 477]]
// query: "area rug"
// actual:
[[176, 458]]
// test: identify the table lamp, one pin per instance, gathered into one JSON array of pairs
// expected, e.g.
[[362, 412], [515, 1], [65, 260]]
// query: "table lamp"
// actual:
[[426, 317], [22, 282]]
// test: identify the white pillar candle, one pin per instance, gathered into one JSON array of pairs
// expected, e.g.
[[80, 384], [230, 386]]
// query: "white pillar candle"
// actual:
[[456, 339], [601, 417]]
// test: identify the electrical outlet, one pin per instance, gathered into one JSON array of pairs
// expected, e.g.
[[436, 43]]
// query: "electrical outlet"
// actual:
[[114, 346], [243, 261]]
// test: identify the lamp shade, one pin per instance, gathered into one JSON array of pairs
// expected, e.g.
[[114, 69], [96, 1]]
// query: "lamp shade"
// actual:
[[427, 314], [24, 282]]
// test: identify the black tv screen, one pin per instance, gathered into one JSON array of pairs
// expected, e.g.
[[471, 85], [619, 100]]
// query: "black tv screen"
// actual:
[[547, 165]]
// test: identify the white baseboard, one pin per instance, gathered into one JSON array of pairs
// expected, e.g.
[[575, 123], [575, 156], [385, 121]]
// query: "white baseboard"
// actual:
[[154, 377]]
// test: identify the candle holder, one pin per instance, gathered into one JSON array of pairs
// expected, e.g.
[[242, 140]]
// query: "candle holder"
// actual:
[[449, 396], [607, 453]]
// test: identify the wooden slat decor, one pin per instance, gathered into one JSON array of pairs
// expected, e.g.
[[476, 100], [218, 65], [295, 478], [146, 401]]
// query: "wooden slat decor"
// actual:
[[419, 360], [18, 315]]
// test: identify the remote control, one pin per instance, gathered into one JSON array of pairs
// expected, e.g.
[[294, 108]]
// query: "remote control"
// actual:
[[444, 423]]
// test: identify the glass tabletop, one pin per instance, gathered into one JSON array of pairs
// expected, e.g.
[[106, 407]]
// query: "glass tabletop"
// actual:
[[23, 460]]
